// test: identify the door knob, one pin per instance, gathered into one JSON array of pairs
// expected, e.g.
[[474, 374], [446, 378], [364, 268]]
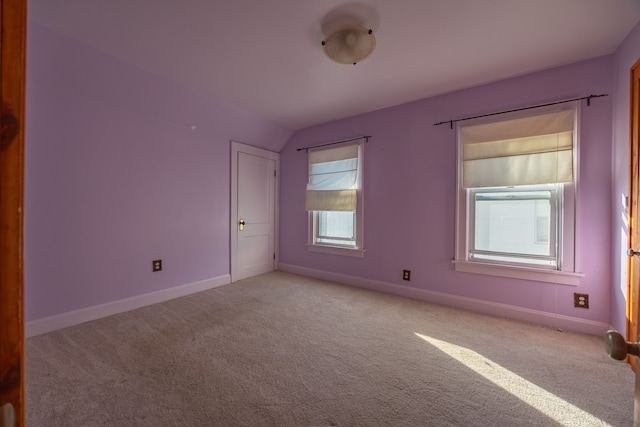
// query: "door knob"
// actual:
[[241, 222], [618, 348], [631, 252]]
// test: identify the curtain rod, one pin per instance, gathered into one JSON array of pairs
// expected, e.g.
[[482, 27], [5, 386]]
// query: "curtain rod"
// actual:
[[588, 98], [365, 137]]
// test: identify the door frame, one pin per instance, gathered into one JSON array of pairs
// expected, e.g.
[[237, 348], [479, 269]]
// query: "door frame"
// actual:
[[633, 292], [238, 147], [633, 274], [13, 19]]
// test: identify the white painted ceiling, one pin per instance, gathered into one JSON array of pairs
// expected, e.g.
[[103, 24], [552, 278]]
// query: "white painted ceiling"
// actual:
[[266, 56]]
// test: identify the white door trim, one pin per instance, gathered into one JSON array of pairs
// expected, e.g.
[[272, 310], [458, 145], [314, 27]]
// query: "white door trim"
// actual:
[[237, 147]]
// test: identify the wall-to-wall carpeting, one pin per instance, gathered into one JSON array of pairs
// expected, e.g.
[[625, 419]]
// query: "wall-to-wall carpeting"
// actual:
[[284, 350]]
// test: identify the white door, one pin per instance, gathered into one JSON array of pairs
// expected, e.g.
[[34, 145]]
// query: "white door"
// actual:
[[253, 210]]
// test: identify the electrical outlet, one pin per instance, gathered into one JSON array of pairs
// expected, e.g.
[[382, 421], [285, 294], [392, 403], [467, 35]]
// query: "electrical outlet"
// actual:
[[581, 300], [406, 275], [157, 265]]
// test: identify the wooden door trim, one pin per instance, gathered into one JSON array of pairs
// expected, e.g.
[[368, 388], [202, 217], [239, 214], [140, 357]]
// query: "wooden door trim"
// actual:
[[633, 273], [12, 76]]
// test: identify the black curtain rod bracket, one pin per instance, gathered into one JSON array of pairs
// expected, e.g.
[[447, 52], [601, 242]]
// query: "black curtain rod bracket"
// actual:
[[588, 98], [365, 137]]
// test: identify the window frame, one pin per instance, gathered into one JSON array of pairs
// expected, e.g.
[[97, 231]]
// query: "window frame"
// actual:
[[567, 271], [347, 250]]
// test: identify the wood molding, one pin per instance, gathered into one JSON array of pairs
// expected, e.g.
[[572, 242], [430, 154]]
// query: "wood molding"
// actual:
[[12, 72], [633, 274]]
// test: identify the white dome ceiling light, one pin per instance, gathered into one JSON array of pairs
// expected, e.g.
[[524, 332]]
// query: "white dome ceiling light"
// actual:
[[349, 44]]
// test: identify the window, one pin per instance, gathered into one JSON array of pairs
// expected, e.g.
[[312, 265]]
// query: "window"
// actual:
[[516, 204], [515, 224], [334, 199]]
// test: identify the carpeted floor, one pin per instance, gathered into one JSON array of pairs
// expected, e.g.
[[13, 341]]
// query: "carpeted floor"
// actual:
[[284, 350]]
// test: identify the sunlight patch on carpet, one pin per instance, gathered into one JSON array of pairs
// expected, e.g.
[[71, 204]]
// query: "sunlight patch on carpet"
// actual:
[[547, 403]]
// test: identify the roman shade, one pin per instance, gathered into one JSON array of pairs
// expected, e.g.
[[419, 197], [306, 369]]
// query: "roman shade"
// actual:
[[333, 179], [522, 151]]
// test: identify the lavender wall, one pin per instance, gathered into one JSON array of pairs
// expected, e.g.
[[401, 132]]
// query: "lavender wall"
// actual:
[[410, 186], [626, 55], [116, 177]]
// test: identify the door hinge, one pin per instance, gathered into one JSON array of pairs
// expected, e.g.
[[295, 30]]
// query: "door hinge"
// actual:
[[275, 172], [274, 255]]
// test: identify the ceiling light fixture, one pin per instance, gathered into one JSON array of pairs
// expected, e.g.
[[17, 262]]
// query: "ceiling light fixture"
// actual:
[[349, 44]]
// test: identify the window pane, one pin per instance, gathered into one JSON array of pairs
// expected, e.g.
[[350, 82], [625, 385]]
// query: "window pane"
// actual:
[[514, 224], [542, 229], [334, 227]]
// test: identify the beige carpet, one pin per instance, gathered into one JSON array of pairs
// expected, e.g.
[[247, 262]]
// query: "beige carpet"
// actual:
[[283, 350]]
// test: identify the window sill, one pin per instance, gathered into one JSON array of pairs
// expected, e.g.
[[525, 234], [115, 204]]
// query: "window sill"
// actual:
[[336, 250], [524, 273]]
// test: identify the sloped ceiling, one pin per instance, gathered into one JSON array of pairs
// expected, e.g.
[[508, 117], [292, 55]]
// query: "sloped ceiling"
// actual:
[[266, 57]]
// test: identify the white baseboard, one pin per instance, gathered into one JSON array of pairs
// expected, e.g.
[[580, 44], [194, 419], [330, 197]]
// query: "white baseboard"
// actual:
[[486, 307], [71, 318]]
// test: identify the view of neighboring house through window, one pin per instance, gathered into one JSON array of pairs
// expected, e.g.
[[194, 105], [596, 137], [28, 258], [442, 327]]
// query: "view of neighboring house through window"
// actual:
[[516, 225], [334, 199], [335, 228], [516, 204]]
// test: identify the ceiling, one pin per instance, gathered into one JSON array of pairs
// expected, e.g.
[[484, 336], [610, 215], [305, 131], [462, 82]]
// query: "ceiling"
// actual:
[[266, 55]]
